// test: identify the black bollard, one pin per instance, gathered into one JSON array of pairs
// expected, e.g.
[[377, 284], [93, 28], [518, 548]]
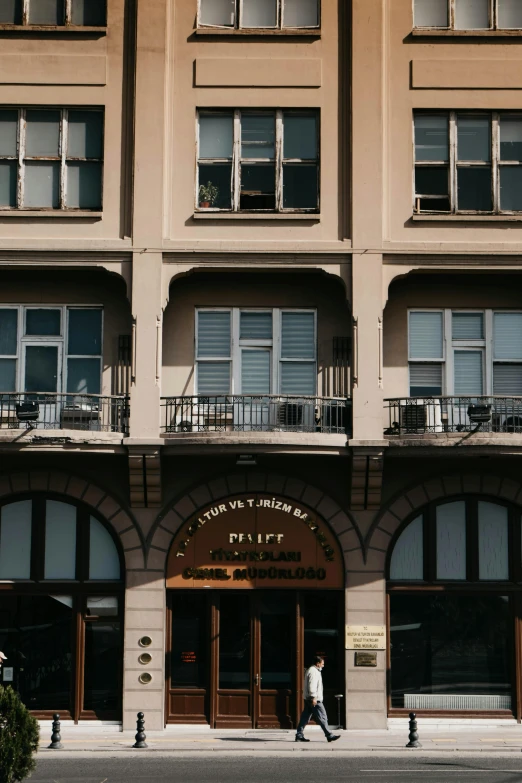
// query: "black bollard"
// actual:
[[140, 736], [413, 736], [56, 737]]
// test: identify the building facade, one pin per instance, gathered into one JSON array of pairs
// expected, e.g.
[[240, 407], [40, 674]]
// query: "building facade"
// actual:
[[261, 359]]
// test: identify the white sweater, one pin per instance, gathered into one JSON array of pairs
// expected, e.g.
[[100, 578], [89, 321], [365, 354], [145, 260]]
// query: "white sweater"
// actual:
[[313, 684]]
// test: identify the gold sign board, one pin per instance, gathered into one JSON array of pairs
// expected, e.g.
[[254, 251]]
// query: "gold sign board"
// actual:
[[365, 637]]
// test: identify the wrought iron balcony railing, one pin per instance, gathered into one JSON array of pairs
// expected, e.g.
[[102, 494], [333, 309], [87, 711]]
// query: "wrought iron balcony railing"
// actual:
[[255, 413], [432, 415], [50, 411]]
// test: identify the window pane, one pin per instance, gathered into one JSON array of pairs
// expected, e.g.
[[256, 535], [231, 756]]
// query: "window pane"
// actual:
[[216, 135], [298, 336], [507, 380], [103, 663], [88, 12], [189, 632], [8, 332], [15, 540], [471, 14], [85, 130], [43, 322], [234, 641], [102, 606], [407, 561], [43, 134], [218, 12], [468, 373], [104, 562], [8, 132], [507, 335], [451, 541], [8, 179], [300, 136], [41, 368], [60, 540], [8, 375], [257, 186], [84, 185], [84, 376], [258, 136], [299, 378], [430, 13], [493, 541], [85, 332], [425, 380], [300, 186], [254, 326], [431, 137], [432, 181], [468, 326], [510, 14], [474, 138], [213, 378], [301, 13], [426, 336], [451, 652], [42, 185], [11, 12], [46, 11], [259, 13], [511, 188], [214, 334], [219, 175], [474, 189], [511, 137], [255, 372]]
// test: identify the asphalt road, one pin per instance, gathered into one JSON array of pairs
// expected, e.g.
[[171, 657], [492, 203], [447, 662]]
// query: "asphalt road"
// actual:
[[242, 768]]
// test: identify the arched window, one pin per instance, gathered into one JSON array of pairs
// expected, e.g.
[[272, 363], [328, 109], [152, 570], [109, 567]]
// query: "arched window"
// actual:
[[61, 596], [454, 579]]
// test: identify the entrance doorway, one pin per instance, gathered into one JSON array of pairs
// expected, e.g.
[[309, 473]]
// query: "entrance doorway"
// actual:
[[237, 658]]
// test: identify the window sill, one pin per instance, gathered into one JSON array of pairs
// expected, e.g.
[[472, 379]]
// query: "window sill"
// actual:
[[308, 33], [310, 216], [20, 213], [467, 218], [434, 32], [36, 28]]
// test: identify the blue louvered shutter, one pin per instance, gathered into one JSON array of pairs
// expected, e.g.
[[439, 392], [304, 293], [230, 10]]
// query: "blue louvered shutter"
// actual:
[[213, 344], [298, 354], [468, 373]]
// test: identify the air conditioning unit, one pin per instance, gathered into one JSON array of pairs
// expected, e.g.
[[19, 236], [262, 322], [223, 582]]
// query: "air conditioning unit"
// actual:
[[421, 417], [296, 416], [507, 421]]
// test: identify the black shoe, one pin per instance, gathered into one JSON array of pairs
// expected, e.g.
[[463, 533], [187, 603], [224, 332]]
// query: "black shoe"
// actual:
[[301, 739], [333, 737]]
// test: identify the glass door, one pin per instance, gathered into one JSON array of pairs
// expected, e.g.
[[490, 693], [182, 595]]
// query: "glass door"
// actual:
[[274, 681], [468, 370], [42, 372], [234, 640]]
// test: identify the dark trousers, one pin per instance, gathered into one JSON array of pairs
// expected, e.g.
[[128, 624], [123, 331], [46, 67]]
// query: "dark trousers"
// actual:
[[319, 713]]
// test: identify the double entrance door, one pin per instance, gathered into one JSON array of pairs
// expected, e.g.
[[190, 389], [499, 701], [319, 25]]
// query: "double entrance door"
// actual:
[[237, 659]]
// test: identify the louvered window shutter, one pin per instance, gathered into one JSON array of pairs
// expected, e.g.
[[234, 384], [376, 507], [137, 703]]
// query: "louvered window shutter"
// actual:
[[425, 380], [298, 354], [255, 371], [468, 373], [426, 336], [213, 344], [507, 380], [507, 340]]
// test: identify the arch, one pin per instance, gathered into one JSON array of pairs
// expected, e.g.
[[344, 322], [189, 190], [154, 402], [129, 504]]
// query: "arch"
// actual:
[[100, 500], [169, 522]]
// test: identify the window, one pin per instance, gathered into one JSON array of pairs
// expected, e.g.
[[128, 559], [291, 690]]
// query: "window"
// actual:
[[468, 14], [255, 352], [258, 161], [481, 172], [50, 349], [51, 159], [483, 354], [259, 14], [53, 13]]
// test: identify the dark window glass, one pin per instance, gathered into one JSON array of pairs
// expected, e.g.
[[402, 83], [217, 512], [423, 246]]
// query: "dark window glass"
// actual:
[[8, 332], [300, 186], [41, 368], [85, 332], [511, 188], [103, 662], [83, 376], [321, 637], [257, 186], [43, 322], [8, 179], [431, 181], [474, 189], [85, 134], [90, 13], [434, 205], [446, 646], [431, 137], [188, 662], [219, 175], [511, 138], [46, 12], [11, 12], [474, 138], [277, 654], [234, 641], [84, 185]]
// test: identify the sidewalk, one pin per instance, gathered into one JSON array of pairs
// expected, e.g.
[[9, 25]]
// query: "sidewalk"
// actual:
[[506, 739]]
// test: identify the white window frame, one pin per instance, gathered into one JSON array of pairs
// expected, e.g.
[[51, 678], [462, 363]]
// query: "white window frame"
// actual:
[[454, 164], [451, 344], [237, 161], [493, 19], [68, 8], [238, 344], [238, 13], [62, 158], [61, 340]]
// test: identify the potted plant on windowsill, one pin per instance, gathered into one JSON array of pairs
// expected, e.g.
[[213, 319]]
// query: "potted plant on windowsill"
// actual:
[[208, 195]]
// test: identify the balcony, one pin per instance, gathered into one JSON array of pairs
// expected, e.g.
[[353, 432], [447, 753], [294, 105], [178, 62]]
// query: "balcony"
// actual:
[[183, 416], [50, 411], [409, 416]]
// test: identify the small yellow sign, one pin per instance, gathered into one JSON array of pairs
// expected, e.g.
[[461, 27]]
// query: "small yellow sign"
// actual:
[[365, 637]]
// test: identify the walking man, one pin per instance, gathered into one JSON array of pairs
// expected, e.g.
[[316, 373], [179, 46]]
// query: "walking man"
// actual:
[[313, 697]]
